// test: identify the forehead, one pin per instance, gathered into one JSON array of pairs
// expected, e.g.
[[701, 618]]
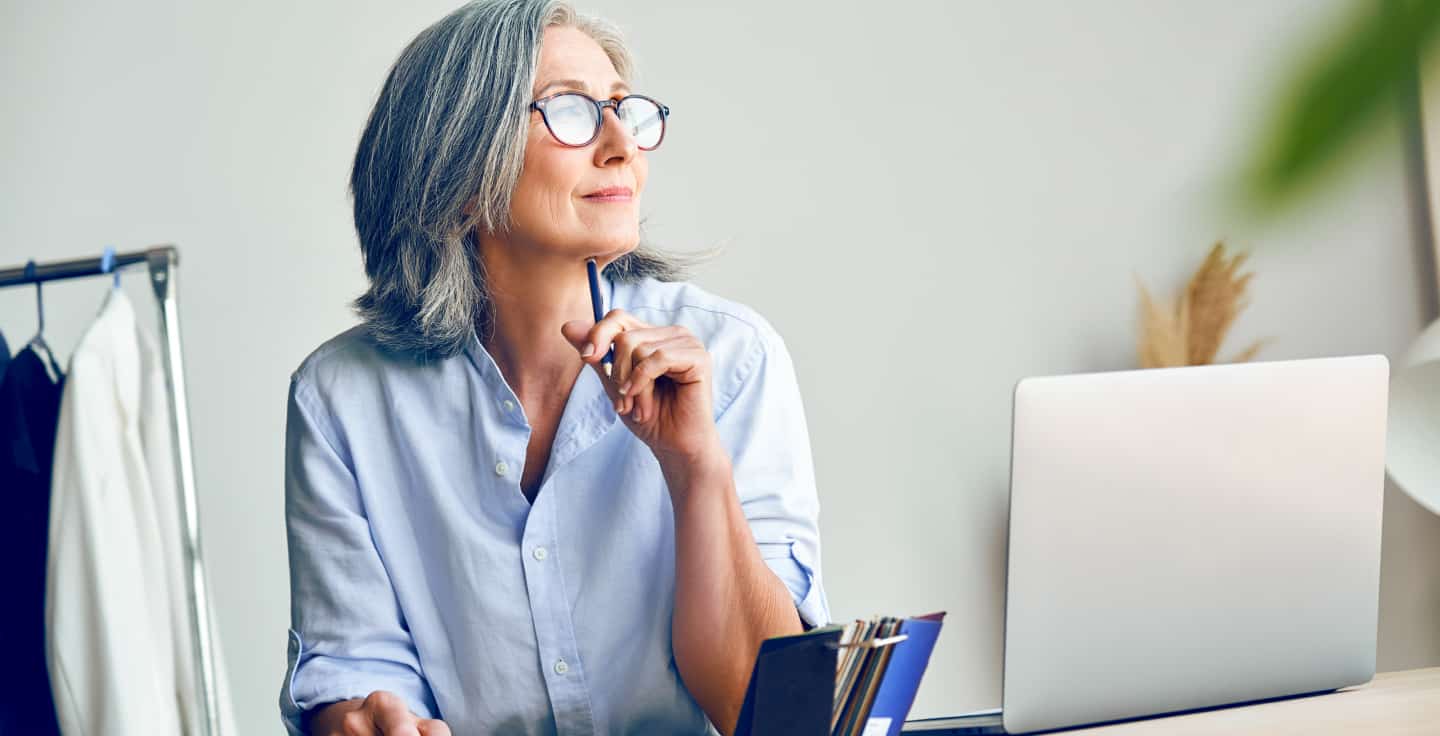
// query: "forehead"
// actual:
[[568, 53]]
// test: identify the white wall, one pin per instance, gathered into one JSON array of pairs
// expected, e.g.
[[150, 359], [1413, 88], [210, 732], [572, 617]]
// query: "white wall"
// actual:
[[929, 202]]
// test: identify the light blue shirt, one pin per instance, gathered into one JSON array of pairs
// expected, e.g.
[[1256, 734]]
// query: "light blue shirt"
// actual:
[[417, 565]]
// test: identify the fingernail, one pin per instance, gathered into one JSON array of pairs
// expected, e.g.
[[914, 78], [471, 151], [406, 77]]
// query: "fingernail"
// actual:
[[625, 388], [618, 404], [588, 351]]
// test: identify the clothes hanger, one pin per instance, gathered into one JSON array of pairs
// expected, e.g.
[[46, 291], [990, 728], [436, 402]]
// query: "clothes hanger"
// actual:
[[107, 264], [37, 343]]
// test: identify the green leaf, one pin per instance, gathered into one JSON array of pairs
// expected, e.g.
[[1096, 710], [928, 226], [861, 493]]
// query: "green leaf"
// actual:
[[1339, 95]]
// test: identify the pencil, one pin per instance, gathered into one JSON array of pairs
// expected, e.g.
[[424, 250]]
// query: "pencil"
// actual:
[[594, 273]]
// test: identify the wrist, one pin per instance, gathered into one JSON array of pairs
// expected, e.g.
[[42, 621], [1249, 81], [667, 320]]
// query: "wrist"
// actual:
[[709, 465]]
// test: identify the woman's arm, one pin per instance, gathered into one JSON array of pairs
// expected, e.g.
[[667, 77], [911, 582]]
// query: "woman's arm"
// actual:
[[727, 600], [348, 639], [742, 486]]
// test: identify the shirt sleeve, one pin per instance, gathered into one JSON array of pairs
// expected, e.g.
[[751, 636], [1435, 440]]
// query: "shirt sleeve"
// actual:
[[348, 636], [763, 426]]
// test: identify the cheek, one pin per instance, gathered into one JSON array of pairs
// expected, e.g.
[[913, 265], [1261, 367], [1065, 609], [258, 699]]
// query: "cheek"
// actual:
[[641, 167], [546, 186]]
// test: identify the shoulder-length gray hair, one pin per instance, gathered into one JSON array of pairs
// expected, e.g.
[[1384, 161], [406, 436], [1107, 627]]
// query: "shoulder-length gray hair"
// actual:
[[448, 129]]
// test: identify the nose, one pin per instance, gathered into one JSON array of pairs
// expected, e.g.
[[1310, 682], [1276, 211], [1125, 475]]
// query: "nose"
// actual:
[[615, 141]]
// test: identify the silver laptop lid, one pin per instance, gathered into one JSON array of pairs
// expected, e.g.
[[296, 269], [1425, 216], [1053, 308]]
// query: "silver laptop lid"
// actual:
[[1190, 537]]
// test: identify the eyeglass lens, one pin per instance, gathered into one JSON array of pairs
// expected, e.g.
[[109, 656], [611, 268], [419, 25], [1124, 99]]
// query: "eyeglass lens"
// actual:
[[573, 119]]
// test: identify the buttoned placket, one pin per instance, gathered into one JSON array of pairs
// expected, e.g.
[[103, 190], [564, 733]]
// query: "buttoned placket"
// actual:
[[588, 414], [560, 665]]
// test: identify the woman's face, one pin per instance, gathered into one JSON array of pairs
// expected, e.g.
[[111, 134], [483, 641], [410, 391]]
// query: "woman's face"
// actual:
[[550, 207]]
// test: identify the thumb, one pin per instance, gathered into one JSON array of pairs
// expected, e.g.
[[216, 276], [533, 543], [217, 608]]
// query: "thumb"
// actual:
[[576, 331]]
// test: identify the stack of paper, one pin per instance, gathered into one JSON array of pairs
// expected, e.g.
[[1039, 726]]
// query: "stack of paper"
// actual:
[[878, 672], [858, 679]]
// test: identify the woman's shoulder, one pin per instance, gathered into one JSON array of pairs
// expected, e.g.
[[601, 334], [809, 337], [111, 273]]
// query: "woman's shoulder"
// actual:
[[345, 361], [705, 313], [738, 338]]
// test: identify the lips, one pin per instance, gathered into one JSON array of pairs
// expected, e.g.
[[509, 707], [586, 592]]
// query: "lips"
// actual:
[[611, 192]]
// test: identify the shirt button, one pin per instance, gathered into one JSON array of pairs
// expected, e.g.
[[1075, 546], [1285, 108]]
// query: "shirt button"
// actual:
[[540, 553], [509, 405], [560, 667], [501, 468]]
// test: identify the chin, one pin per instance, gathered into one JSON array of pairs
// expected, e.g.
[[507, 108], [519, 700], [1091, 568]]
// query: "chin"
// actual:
[[613, 247], [613, 252]]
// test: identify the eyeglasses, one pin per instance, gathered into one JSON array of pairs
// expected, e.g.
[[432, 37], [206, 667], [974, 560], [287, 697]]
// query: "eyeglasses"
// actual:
[[575, 119]]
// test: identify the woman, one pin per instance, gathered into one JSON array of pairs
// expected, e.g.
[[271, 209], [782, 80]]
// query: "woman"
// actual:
[[486, 535]]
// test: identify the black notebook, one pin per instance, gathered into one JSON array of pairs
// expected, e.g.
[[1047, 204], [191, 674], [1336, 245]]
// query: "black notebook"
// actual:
[[858, 679]]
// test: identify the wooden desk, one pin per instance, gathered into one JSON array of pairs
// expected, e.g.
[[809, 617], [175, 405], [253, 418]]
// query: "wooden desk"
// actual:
[[1405, 702]]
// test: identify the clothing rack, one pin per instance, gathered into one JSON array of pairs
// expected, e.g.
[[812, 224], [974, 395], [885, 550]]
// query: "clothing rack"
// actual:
[[163, 261]]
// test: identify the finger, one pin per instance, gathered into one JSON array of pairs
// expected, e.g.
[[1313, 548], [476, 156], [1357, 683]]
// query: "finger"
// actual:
[[633, 345], [624, 343], [431, 727], [575, 332], [358, 723], [603, 333], [643, 393], [682, 363], [584, 334], [390, 714]]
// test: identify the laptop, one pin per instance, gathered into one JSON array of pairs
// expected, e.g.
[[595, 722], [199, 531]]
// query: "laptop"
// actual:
[[1185, 538]]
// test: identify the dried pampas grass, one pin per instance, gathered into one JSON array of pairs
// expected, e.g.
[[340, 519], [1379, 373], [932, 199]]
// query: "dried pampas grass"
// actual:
[[1191, 330]]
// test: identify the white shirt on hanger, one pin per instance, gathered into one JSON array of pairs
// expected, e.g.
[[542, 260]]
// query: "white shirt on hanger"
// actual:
[[117, 617]]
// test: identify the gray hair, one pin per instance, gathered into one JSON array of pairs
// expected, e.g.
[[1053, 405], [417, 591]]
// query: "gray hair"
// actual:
[[449, 129]]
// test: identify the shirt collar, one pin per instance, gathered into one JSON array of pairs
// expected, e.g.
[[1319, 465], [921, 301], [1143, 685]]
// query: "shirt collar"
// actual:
[[588, 413]]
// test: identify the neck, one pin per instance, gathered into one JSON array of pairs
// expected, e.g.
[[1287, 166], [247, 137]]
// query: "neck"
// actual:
[[532, 294]]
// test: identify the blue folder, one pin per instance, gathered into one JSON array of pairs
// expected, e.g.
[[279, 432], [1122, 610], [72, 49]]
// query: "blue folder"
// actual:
[[792, 684], [905, 669]]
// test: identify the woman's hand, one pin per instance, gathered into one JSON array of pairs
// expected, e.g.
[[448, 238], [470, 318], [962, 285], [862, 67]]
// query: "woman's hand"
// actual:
[[660, 383], [381, 714]]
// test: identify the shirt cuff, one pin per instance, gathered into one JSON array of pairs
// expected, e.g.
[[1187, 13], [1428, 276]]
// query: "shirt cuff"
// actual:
[[790, 563], [320, 680]]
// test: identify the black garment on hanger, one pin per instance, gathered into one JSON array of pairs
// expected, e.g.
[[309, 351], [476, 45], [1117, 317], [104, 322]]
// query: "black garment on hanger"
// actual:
[[29, 414], [4, 356]]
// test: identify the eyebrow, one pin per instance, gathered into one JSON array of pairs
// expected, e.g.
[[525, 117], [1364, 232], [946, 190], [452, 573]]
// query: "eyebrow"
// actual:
[[577, 84]]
